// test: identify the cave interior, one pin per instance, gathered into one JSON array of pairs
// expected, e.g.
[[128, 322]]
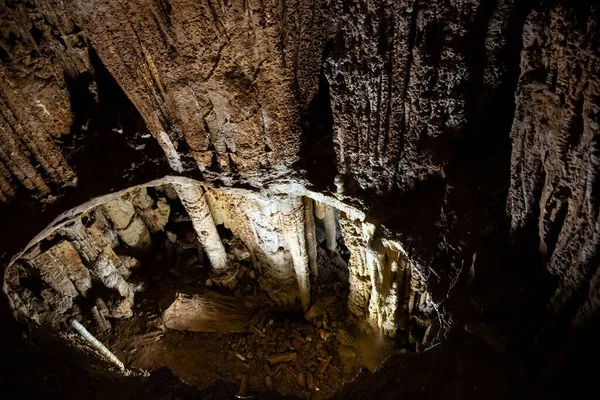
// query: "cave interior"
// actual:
[[291, 199]]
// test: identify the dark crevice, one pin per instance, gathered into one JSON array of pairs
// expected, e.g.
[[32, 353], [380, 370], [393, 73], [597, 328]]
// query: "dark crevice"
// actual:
[[317, 152], [106, 129], [103, 158], [36, 34]]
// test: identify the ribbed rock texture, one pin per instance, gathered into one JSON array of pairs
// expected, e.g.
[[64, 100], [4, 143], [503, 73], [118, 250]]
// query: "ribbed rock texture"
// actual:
[[555, 162], [386, 293], [468, 130]]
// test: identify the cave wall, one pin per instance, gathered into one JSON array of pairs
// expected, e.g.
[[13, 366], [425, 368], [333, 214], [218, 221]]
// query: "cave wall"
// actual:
[[456, 126], [202, 76], [93, 260], [553, 197]]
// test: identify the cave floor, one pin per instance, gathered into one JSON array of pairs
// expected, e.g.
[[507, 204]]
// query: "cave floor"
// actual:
[[321, 365]]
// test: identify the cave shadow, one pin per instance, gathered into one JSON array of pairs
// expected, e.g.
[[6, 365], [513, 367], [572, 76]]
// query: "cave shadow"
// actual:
[[317, 153]]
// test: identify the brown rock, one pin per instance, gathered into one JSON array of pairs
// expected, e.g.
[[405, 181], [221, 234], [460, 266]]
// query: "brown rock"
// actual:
[[243, 385], [310, 381], [207, 311], [281, 358], [301, 381]]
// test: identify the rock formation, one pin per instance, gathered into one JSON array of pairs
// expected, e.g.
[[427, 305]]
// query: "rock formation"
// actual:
[[453, 145]]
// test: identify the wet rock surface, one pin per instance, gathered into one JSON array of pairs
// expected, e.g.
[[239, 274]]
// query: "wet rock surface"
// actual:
[[466, 131]]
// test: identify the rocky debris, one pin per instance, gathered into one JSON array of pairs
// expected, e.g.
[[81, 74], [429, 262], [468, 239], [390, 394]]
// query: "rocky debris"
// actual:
[[319, 307], [243, 385], [207, 311], [281, 358], [289, 355]]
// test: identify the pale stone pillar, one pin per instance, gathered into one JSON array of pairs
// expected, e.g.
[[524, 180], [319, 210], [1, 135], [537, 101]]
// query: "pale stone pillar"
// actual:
[[192, 198], [293, 226]]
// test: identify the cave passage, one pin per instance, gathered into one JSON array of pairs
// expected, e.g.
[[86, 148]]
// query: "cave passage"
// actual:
[[273, 291]]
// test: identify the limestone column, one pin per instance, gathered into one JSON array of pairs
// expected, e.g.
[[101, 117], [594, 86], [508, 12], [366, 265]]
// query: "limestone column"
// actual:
[[192, 198], [310, 235], [293, 227], [326, 213]]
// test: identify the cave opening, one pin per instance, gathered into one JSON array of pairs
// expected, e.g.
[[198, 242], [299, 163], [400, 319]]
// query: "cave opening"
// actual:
[[286, 291]]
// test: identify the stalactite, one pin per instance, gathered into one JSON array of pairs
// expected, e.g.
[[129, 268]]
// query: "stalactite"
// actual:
[[383, 290], [81, 240], [254, 219], [356, 237], [63, 259], [192, 198], [310, 235], [376, 314], [103, 263], [387, 265], [293, 224], [325, 212], [386, 292]]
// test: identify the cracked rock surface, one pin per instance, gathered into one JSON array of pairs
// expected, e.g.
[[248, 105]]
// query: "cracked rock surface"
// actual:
[[466, 132]]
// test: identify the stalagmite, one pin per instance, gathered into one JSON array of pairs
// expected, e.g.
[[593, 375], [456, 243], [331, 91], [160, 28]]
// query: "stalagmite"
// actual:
[[95, 343], [293, 226], [356, 238], [63, 263], [192, 198], [81, 240], [326, 213], [255, 220], [103, 263], [311, 239]]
